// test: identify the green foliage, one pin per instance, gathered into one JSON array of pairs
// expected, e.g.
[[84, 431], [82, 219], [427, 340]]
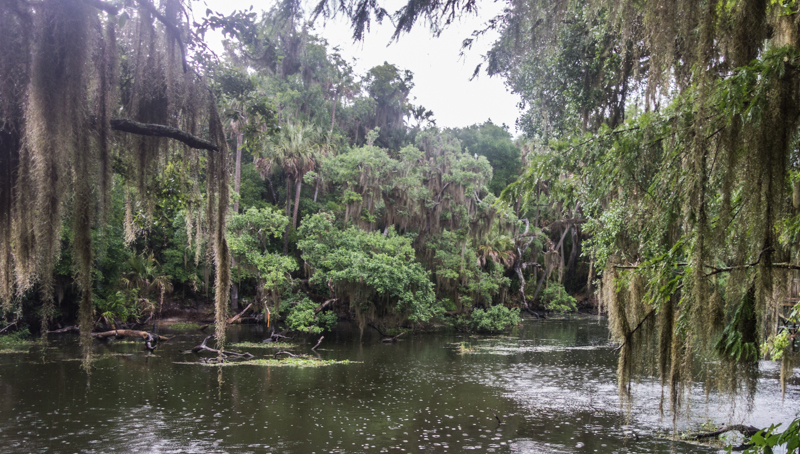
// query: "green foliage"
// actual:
[[456, 269], [780, 343], [554, 298], [120, 305], [371, 270], [14, 339], [493, 320], [302, 317], [765, 441], [184, 326], [495, 144], [250, 237]]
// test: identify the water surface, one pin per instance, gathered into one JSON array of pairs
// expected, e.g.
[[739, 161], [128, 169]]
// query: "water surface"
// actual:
[[551, 383]]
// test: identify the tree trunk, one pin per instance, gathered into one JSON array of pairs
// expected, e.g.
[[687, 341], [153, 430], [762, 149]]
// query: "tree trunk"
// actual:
[[573, 257], [234, 291], [518, 270], [316, 190], [297, 188], [288, 213], [237, 176], [272, 191], [544, 273], [333, 112]]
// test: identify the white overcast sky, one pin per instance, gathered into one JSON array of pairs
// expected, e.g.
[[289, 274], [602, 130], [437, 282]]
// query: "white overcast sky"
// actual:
[[441, 77]]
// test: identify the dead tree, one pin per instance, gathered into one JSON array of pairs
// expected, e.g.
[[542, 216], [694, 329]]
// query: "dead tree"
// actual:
[[223, 353]]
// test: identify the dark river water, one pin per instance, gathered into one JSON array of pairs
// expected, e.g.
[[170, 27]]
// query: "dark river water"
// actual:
[[552, 384]]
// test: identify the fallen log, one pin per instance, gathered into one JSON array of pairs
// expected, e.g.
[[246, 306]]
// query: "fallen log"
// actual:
[[65, 330], [123, 333], [284, 352], [747, 431], [386, 338], [389, 340]]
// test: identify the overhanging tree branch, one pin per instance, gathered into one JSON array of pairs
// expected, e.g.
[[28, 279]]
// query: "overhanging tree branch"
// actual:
[[154, 130]]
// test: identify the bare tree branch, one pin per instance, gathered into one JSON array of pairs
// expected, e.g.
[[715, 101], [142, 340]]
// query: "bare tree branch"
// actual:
[[154, 130]]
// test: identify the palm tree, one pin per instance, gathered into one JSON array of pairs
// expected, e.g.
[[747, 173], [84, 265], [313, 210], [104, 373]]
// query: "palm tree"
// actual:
[[144, 274], [498, 249], [296, 149]]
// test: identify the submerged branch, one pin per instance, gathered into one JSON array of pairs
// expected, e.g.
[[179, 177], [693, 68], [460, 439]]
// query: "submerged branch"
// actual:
[[747, 431], [222, 353], [318, 342]]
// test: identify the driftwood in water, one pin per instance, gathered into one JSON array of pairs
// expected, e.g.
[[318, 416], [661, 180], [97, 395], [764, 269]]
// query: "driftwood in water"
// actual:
[[223, 353], [150, 339], [318, 342], [747, 431], [235, 319], [389, 340], [284, 352], [123, 333], [65, 330], [276, 337], [386, 338]]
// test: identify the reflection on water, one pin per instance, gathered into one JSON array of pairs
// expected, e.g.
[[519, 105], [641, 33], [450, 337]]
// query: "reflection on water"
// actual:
[[552, 383]]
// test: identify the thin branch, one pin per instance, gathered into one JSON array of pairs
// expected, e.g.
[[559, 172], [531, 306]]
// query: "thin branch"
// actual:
[[154, 130], [7, 327], [318, 342], [171, 28], [628, 336], [323, 305], [749, 265]]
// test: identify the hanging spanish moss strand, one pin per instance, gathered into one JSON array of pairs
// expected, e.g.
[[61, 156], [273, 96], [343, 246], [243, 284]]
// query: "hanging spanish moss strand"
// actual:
[[55, 118], [105, 100], [15, 35], [218, 170]]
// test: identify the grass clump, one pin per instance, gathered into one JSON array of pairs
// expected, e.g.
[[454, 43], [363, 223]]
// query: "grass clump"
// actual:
[[184, 326], [287, 362], [16, 340], [256, 345]]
